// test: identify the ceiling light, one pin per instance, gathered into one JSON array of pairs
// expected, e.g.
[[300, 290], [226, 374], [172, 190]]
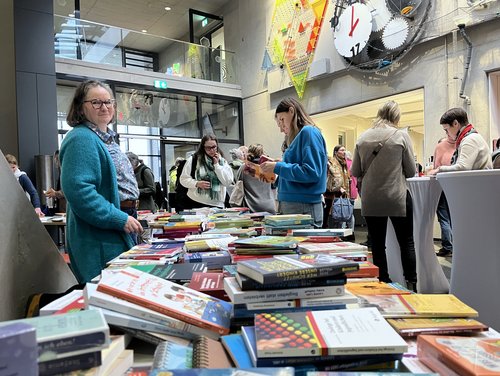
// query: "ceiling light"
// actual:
[[168, 8], [144, 30]]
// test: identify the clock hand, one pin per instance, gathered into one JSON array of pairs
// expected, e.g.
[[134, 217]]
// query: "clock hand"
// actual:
[[353, 24]]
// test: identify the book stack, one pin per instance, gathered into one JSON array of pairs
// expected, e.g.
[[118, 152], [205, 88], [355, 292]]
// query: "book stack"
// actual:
[[340, 249], [368, 272], [66, 342], [183, 311], [289, 282], [322, 340], [214, 260], [209, 243], [263, 247], [282, 225], [176, 230]]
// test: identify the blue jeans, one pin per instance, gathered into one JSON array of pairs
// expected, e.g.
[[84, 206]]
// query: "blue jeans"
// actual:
[[444, 219], [315, 210], [132, 212]]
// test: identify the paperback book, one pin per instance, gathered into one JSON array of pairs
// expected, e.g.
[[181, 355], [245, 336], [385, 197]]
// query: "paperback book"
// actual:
[[18, 350], [246, 283], [169, 298], [213, 260], [366, 270], [283, 371], [292, 267], [413, 327], [235, 347], [209, 244], [418, 305], [322, 232], [239, 296], [266, 241], [209, 283], [338, 332], [374, 288], [467, 356], [332, 247], [288, 219]]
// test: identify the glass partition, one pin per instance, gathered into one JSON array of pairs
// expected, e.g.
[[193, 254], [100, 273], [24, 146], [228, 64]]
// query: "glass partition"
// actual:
[[221, 117], [98, 43]]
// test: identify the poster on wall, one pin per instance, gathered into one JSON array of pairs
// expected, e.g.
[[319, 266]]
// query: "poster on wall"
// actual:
[[295, 29]]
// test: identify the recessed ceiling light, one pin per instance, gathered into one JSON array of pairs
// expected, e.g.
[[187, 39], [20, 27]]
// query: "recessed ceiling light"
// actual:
[[168, 8], [144, 30]]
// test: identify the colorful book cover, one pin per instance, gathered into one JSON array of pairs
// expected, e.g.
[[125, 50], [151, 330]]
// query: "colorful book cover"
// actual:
[[266, 241], [418, 305], [170, 355], [411, 327], [366, 270], [281, 371], [18, 350], [467, 356], [209, 283], [209, 244], [178, 273], [76, 305], [288, 219], [60, 336], [338, 332], [246, 283], [168, 298], [142, 254], [235, 347], [293, 267], [254, 170], [238, 296], [374, 288]]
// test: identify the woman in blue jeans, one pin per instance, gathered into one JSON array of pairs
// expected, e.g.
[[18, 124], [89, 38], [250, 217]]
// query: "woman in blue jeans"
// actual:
[[302, 172]]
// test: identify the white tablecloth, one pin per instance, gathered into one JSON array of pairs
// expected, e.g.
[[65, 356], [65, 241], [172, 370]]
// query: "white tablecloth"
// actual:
[[425, 193], [474, 200]]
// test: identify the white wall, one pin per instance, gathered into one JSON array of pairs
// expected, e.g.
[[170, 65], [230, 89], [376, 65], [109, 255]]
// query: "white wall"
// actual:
[[431, 65]]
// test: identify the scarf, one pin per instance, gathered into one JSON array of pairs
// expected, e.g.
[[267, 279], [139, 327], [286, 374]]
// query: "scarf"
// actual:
[[469, 129], [206, 171]]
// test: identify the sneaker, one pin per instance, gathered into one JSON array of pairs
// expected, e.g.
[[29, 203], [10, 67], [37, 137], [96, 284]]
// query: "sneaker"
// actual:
[[444, 253]]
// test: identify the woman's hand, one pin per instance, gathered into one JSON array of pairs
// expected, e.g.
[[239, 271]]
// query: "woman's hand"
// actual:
[[268, 167], [39, 212], [216, 158], [202, 184], [433, 172], [132, 225], [50, 193]]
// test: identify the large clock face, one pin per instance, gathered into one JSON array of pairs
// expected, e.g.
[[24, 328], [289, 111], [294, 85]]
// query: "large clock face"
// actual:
[[373, 34], [353, 30]]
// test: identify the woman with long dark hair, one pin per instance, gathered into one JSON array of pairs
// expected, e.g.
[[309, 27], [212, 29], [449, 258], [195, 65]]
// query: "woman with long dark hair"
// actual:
[[207, 180]]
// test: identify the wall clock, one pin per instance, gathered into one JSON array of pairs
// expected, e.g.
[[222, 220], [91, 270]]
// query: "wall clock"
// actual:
[[373, 34]]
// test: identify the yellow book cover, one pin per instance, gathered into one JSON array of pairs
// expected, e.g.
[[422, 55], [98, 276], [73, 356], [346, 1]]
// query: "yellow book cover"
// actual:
[[374, 288], [411, 327]]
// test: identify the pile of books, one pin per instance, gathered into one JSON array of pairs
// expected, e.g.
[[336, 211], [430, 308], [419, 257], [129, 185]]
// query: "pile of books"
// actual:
[[284, 224]]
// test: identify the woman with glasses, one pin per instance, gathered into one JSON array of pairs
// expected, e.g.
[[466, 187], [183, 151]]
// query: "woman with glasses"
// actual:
[[98, 182], [206, 175]]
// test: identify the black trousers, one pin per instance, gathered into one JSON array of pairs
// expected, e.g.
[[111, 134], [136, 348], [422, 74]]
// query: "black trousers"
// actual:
[[403, 226]]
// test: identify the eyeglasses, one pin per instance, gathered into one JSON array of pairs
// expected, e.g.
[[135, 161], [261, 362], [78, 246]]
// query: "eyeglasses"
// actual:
[[97, 103], [211, 147]]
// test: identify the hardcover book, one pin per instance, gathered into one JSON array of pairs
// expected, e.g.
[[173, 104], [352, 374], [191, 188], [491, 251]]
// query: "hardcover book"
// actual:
[[238, 296], [169, 298], [178, 273], [467, 356], [246, 283], [293, 267], [443, 325], [338, 332], [418, 305], [60, 336]]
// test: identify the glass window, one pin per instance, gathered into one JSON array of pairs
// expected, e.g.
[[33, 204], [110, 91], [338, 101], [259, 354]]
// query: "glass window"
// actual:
[[221, 117], [64, 96]]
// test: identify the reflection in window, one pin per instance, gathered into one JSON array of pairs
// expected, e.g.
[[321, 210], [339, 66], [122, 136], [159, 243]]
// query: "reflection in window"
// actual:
[[223, 116]]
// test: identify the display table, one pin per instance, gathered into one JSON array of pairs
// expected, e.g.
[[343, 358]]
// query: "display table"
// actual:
[[473, 198], [425, 192]]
